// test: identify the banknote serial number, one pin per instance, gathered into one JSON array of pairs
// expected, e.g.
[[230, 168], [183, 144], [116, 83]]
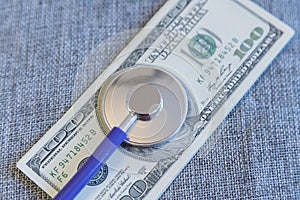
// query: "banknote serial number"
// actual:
[[226, 70], [223, 71], [58, 171]]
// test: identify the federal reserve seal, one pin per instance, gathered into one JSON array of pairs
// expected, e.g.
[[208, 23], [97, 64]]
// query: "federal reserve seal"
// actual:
[[202, 46], [99, 177]]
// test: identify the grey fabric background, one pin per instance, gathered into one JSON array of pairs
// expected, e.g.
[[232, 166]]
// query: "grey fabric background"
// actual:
[[43, 44]]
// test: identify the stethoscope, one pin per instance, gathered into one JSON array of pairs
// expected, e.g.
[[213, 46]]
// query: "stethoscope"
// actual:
[[147, 101]]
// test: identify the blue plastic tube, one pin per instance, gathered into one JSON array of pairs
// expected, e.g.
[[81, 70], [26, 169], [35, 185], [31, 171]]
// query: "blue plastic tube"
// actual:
[[105, 149]]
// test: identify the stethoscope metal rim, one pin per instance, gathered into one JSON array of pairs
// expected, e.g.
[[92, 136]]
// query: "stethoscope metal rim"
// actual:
[[111, 101]]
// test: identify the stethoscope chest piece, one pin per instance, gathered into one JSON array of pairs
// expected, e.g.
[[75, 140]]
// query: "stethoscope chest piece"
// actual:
[[116, 96]]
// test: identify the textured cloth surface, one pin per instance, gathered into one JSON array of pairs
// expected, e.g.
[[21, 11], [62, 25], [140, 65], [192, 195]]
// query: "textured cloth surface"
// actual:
[[43, 45]]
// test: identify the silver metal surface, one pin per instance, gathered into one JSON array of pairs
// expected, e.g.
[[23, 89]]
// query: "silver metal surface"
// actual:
[[143, 104], [146, 102], [113, 98], [127, 124]]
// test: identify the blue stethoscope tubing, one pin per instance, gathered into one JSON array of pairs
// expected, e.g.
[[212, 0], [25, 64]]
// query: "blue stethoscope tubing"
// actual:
[[94, 163]]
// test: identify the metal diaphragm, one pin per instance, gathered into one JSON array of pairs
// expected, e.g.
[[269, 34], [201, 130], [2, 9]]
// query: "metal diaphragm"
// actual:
[[112, 105]]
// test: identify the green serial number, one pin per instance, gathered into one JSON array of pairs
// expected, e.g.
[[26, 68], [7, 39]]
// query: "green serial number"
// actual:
[[58, 171]]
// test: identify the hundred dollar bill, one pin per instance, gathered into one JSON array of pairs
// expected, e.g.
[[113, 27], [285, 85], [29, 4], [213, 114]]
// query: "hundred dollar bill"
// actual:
[[217, 49]]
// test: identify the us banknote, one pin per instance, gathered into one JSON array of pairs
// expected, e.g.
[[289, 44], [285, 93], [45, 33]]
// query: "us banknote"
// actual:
[[217, 49]]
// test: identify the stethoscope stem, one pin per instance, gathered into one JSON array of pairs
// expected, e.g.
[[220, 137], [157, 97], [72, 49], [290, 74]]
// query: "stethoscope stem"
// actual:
[[128, 122]]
